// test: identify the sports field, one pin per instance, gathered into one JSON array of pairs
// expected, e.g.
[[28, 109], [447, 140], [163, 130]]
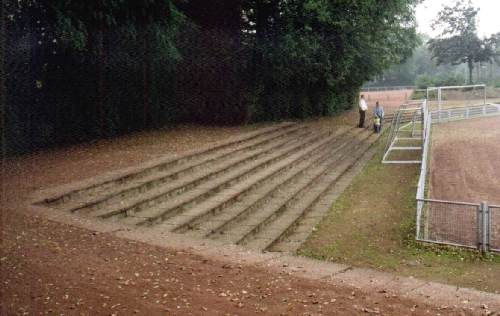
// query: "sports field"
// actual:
[[464, 167], [465, 161]]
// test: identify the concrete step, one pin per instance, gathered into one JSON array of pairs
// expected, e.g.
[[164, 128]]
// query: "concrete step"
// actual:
[[227, 177], [266, 193], [239, 230], [154, 178], [262, 238], [299, 231], [164, 191], [163, 164], [206, 218]]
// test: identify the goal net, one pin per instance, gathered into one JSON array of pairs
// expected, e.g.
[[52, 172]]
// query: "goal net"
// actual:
[[440, 98]]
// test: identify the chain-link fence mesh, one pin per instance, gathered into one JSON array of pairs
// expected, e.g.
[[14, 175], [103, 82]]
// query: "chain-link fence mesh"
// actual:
[[495, 228], [449, 223]]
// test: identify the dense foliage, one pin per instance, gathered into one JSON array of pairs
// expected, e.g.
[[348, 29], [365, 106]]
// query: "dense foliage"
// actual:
[[84, 69]]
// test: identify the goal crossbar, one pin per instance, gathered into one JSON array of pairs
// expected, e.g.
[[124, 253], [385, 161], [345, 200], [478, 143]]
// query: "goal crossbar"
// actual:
[[445, 88], [456, 87]]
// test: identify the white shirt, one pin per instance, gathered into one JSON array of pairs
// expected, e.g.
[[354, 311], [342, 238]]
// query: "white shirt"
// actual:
[[362, 105]]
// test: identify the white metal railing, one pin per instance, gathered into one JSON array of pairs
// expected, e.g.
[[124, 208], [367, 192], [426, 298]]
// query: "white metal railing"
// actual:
[[470, 225], [414, 110], [465, 112], [426, 132], [487, 222]]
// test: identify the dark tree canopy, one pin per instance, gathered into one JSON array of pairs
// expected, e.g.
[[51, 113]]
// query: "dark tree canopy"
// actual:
[[99, 68]]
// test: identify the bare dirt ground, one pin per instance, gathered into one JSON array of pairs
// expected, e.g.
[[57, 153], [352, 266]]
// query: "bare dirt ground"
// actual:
[[465, 166], [49, 267], [465, 161], [390, 100]]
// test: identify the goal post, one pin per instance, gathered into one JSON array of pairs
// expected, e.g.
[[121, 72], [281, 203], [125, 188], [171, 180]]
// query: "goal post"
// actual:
[[456, 96]]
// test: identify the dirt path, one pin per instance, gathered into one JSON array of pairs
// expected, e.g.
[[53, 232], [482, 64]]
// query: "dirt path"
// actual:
[[49, 267]]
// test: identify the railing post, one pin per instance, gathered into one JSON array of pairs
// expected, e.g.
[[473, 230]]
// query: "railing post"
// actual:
[[419, 215]]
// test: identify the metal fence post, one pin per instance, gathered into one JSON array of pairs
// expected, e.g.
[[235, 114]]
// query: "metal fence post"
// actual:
[[479, 227], [419, 215], [483, 230], [486, 227]]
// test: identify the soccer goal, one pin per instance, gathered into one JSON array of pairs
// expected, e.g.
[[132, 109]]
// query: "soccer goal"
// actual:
[[441, 98], [407, 134]]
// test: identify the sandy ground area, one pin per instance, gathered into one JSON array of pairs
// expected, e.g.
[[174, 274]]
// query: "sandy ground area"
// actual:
[[465, 166], [49, 267]]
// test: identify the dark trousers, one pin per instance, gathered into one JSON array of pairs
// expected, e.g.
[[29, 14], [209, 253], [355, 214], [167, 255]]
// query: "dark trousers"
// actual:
[[362, 115], [378, 128]]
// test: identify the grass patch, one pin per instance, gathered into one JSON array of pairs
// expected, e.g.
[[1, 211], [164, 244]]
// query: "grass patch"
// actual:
[[372, 224]]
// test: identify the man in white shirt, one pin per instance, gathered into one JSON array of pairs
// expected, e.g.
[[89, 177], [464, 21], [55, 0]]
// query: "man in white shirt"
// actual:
[[363, 107]]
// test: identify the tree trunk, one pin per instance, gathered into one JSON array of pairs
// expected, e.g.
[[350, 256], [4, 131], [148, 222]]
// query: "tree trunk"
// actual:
[[470, 64]]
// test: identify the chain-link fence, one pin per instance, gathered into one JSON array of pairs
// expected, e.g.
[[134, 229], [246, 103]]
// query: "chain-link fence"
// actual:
[[471, 225], [460, 224], [495, 227], [449, 223]]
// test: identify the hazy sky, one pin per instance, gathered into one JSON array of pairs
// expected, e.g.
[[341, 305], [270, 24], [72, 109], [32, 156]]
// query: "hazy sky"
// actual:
[[489, 15]]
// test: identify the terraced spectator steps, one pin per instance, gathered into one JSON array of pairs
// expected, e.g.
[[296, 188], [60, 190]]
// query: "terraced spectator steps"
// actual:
[[264, 134], [264, 189]]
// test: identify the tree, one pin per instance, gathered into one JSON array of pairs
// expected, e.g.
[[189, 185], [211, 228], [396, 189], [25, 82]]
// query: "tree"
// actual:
[[115, 66], [83, 69], [458, 42], [330, 48]]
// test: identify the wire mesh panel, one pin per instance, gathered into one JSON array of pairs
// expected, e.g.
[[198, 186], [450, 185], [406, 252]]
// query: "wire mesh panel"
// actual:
[[495, 228], [449, 223]]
